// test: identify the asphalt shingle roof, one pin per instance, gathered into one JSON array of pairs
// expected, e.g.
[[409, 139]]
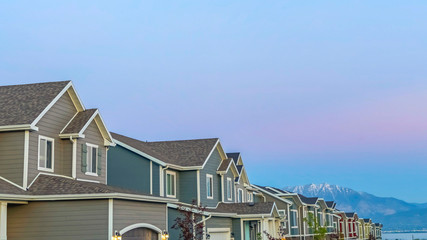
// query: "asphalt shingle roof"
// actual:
[[330, 204], [224, 164], [308, 200], [245, 208], [22, 104], [234, 156], [7, 188], [366, 220], [349, 214], [186, 153], [79, 121], [239, 168]]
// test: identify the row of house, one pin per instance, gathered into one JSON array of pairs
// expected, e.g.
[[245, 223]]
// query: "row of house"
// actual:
[[64, 175]]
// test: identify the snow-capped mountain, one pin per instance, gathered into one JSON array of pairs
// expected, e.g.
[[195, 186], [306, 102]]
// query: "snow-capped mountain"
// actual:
[[365, 204]]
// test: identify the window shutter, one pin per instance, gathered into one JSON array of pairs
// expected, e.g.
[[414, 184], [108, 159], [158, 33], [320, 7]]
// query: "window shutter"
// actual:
[[84, 158], [99, 163]]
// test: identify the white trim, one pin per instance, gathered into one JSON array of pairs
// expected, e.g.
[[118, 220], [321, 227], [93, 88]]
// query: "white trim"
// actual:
[[26, 156], [53, 154], [140, 225], [52, 103], [139, 152], [222, 188], [161, 181], [3, 220], [213, 149], [174, 185], [66, 125], [110, 218], [151, 177], [218, 230], [18, 128], [88, 122], [238, 196], [209, 176], [14, 184], [198, 187], [74, 159]]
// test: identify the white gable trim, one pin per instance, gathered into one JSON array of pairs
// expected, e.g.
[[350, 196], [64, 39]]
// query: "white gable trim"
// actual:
[[210, 154]]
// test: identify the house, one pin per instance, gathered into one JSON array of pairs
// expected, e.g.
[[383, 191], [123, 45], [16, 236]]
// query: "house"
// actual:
[[377, 229], [53, 171], [194, 171], [368, 230], [352, 225]]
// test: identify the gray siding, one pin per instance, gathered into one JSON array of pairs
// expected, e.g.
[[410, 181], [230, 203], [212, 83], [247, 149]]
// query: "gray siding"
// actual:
[[186, 186], [172, 215], [12, 156], [129, 170], [219, 222], [127, 213], [210, 168], [92, 136], [58, 220], [156, 179], [50, 126], [237, 229]]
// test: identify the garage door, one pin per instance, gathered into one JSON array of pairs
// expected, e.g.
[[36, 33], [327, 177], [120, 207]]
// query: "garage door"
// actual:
[[219, 234]]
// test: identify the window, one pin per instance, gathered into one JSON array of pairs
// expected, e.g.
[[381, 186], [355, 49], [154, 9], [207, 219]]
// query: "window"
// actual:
[[282, 215], [229, 188], [249, 197], [240, 196], [209, 186], [46, 153], [294, 219], [170, 184], [320, 218], [92, 159]]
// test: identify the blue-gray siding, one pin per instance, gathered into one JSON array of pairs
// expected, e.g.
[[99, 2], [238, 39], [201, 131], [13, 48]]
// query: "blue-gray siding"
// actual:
[[210, 168]]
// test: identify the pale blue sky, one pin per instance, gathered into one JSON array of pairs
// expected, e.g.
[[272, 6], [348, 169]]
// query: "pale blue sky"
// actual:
[[308, 91]]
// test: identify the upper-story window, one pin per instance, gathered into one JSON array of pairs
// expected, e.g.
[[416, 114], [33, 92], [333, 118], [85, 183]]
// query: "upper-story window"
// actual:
[[92, 159], [46, 153], [209, 186], [250, 197], [170, 184], [320, 218], [240, 195], [229, 189], [294, 218]]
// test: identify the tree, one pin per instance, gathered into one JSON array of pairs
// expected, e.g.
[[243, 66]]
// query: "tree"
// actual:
[[190, 222], [318, 231]]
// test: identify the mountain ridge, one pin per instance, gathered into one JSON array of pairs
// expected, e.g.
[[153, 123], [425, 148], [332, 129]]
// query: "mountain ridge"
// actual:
[[381, 209]]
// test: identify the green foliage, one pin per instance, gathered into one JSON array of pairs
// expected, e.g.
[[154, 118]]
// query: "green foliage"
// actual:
[[318, 231], [259, 236]]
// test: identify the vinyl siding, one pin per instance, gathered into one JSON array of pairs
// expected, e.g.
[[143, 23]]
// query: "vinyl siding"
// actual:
[[129, 170], [219, 222], [12, 156], [127, 213], [210, 168], [50, 126], [58, 220], [229, 174], [186, 186], [92, 136], [237, 227], [172, 215], [156, 179]]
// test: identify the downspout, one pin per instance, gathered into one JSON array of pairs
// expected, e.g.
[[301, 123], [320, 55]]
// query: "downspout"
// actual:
[[74, 158]]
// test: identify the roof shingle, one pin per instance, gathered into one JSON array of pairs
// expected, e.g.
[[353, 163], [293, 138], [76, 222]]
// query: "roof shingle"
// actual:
[[245, 208], [22, 104], [79, 121]]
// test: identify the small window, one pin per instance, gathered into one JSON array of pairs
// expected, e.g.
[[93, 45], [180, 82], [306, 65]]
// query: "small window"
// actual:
[[240, 197], [92, 159], [294, 219], [46, 153], [170, 184], [229, 189], [209, 186]]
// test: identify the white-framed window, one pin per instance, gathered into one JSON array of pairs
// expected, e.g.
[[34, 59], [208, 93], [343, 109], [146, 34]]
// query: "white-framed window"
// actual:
[[92, 159], [320, 218], [335, 227], [46, 153], [249, 197], [240, 195], [229, 189], [209, 186], [170, 184], [282, 215], [294, 218]]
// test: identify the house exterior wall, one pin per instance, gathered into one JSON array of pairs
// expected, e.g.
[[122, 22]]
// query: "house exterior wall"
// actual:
[[129, 170], [127, 213], [237, 227], [186, 186], [92, 136], [66, 220], [230, 175], [220, 222], [172, 215], [210, 168], [50, 125], [12, 156]]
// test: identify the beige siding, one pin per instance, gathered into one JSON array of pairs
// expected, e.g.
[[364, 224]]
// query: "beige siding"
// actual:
[[50, 126], [92, 136], [58, 220], [127, 213], [12, 156]]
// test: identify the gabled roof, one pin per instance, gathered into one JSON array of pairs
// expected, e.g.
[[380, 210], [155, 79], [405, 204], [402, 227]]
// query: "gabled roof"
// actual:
[[9, 188], [235, 156], [225, 165], [260, 208], [308, 200], [183, 153], [367, 220], [79, 121], [22, 104], [271, 191], [351, 214], [239, 168], [331, 204]]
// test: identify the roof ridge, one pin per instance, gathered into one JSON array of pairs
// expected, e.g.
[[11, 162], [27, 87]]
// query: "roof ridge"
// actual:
[[13, 85]]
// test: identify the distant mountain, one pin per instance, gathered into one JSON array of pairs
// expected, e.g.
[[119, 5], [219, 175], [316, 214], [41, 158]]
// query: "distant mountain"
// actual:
[[386, 210]]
